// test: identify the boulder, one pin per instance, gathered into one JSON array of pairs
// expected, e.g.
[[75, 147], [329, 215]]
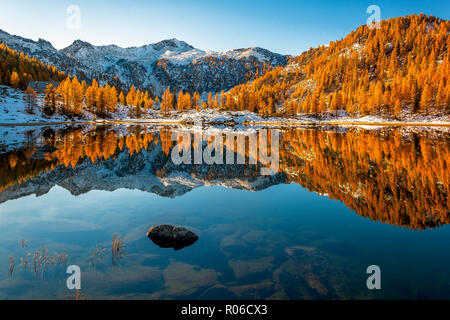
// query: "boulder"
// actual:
[[166, 236]]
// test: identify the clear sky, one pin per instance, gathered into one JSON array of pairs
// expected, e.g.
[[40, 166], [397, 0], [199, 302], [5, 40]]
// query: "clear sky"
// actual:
[[284, 26]]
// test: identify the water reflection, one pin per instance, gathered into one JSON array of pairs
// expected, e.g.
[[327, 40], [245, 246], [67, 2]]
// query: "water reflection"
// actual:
[[88, 196], [387, 175]]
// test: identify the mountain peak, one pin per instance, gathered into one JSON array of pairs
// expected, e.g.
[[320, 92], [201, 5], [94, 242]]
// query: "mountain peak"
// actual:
[[80, 44], [155, 66], [45, 44], [171, 43]]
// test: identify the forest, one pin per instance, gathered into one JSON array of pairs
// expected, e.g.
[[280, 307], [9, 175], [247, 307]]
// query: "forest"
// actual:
[[405, 63], [17, 69]]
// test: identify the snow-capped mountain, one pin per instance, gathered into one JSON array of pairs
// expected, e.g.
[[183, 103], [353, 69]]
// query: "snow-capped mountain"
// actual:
[[44, 51], [169, 63]]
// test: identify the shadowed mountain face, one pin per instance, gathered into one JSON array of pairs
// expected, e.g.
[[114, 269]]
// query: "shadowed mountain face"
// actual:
[[394, 176], [168, 63]]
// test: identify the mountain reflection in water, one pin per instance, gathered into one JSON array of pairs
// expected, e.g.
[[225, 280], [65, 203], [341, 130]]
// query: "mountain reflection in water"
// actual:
[[87, 196], [388, 175]]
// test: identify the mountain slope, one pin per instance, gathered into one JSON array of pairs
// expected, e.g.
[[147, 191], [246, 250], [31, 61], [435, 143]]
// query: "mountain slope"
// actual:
[[169, 63], [42, 50], [17, 70], [404, 66]]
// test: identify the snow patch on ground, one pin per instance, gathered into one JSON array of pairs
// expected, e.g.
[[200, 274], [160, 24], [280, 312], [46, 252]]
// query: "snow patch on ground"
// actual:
[[13, 109]]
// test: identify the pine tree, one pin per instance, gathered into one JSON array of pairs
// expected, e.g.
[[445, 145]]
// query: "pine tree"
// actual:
[[30, 98], [196, 101], [167, 102], [210, 100], [14, 80], [131, 96], [397, 108], [427, 98], [180, 102], [76, 96], [122, 98], [112, 99], [101, 102], [50, 99]]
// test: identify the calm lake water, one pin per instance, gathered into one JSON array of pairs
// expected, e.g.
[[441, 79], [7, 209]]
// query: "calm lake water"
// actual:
[[342, 199]]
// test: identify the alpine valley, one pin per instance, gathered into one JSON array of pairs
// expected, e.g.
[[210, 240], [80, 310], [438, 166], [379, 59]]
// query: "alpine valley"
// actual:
[[297, 174], [398, 72]]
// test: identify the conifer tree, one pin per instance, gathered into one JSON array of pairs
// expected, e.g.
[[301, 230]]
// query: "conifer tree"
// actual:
[[122, 98], [30, 98], [14, 80], [50, 99]]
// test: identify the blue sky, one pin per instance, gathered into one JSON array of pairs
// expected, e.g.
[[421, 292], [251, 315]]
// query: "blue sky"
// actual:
[[284, 26]]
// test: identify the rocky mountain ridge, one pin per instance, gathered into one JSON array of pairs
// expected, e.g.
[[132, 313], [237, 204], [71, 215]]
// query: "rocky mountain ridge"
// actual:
[[154, 67]]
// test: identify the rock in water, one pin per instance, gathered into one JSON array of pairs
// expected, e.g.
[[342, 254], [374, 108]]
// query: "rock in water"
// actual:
[[166, 236]]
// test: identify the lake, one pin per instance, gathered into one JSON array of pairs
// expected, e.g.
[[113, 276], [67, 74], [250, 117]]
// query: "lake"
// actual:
[[339, 200]]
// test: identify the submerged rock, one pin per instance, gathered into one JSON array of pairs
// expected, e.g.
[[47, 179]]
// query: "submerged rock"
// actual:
[[185, 280], [310, 273], [166, 236]]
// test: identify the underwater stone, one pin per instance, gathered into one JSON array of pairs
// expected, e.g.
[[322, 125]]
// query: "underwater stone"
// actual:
[[167, 236]]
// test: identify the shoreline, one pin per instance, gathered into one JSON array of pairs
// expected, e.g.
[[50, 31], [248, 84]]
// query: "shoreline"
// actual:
[[180, 122]]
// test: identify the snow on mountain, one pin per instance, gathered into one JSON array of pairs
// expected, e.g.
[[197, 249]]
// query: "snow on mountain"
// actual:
[[260, 54], [105, 56], [172, 63], [26, 45], [44, 51], [168, 63]]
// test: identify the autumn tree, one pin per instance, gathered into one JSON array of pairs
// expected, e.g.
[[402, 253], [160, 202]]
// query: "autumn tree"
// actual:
[[427, 97], [122, 98], [50, 99], [14, 80], [167, 102], [30, 99]]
